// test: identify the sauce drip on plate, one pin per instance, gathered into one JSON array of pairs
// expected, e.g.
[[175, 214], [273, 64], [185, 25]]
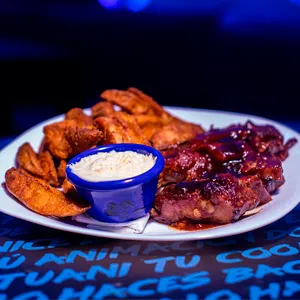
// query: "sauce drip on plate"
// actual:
[[192, 226]]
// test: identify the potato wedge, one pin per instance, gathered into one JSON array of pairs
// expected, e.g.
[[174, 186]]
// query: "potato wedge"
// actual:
[[28, 160], [40, 197]]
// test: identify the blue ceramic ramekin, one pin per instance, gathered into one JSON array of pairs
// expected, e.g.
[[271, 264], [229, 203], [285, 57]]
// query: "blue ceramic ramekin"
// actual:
[[123, 200]]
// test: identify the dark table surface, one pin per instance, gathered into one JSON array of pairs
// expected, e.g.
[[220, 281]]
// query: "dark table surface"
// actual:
[[41, 263]]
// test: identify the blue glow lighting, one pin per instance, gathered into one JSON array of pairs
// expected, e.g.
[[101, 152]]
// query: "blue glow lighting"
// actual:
[[109, 3], [137, 5], [189, 7], [16, 48], [295, 1], [263, 13]]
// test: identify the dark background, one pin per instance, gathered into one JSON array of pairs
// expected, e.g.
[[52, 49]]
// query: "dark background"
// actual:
[[236, 55]]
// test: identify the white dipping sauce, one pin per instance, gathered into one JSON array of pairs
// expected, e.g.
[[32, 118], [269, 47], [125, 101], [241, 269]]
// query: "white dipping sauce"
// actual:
[[106, 166]]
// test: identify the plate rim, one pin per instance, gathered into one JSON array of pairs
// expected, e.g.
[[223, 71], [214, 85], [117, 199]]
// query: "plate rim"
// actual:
[[184, 235]]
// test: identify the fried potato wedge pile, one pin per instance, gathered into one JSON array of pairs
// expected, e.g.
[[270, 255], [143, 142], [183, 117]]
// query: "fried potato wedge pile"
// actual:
[[128, 116], [159, 127]]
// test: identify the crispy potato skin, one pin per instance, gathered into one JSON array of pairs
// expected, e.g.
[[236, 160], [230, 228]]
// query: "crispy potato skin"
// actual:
[[66, 138], [135, 102], [122, 128], [43, 146], [50, 173], [126, 100], [149, 124], [61, 170], [40, 197], [102, 109], [79, 116], [28, 160], [176, 132], [68, 187], [153, 107], [112, 130]]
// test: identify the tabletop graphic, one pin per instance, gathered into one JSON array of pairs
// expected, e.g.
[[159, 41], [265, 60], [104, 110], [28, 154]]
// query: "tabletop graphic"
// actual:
[[39, 263]]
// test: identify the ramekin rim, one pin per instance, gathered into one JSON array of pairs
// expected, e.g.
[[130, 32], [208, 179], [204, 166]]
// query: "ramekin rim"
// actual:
[[116, 184]]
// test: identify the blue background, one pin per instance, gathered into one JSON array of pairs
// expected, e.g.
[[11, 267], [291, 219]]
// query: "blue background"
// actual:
[[236, 55]]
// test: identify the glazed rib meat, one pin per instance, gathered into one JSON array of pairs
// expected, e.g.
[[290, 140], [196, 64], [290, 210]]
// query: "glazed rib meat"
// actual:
[[229, 150], [185, 165], [221, 199], [261, 139], [221, 174]]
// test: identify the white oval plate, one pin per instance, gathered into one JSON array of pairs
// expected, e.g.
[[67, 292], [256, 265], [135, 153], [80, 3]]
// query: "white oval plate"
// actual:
[[282, 203]]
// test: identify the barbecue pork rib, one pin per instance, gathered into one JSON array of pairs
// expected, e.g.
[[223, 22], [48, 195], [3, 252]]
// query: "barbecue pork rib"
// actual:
[[221, 199], [221, 174]]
